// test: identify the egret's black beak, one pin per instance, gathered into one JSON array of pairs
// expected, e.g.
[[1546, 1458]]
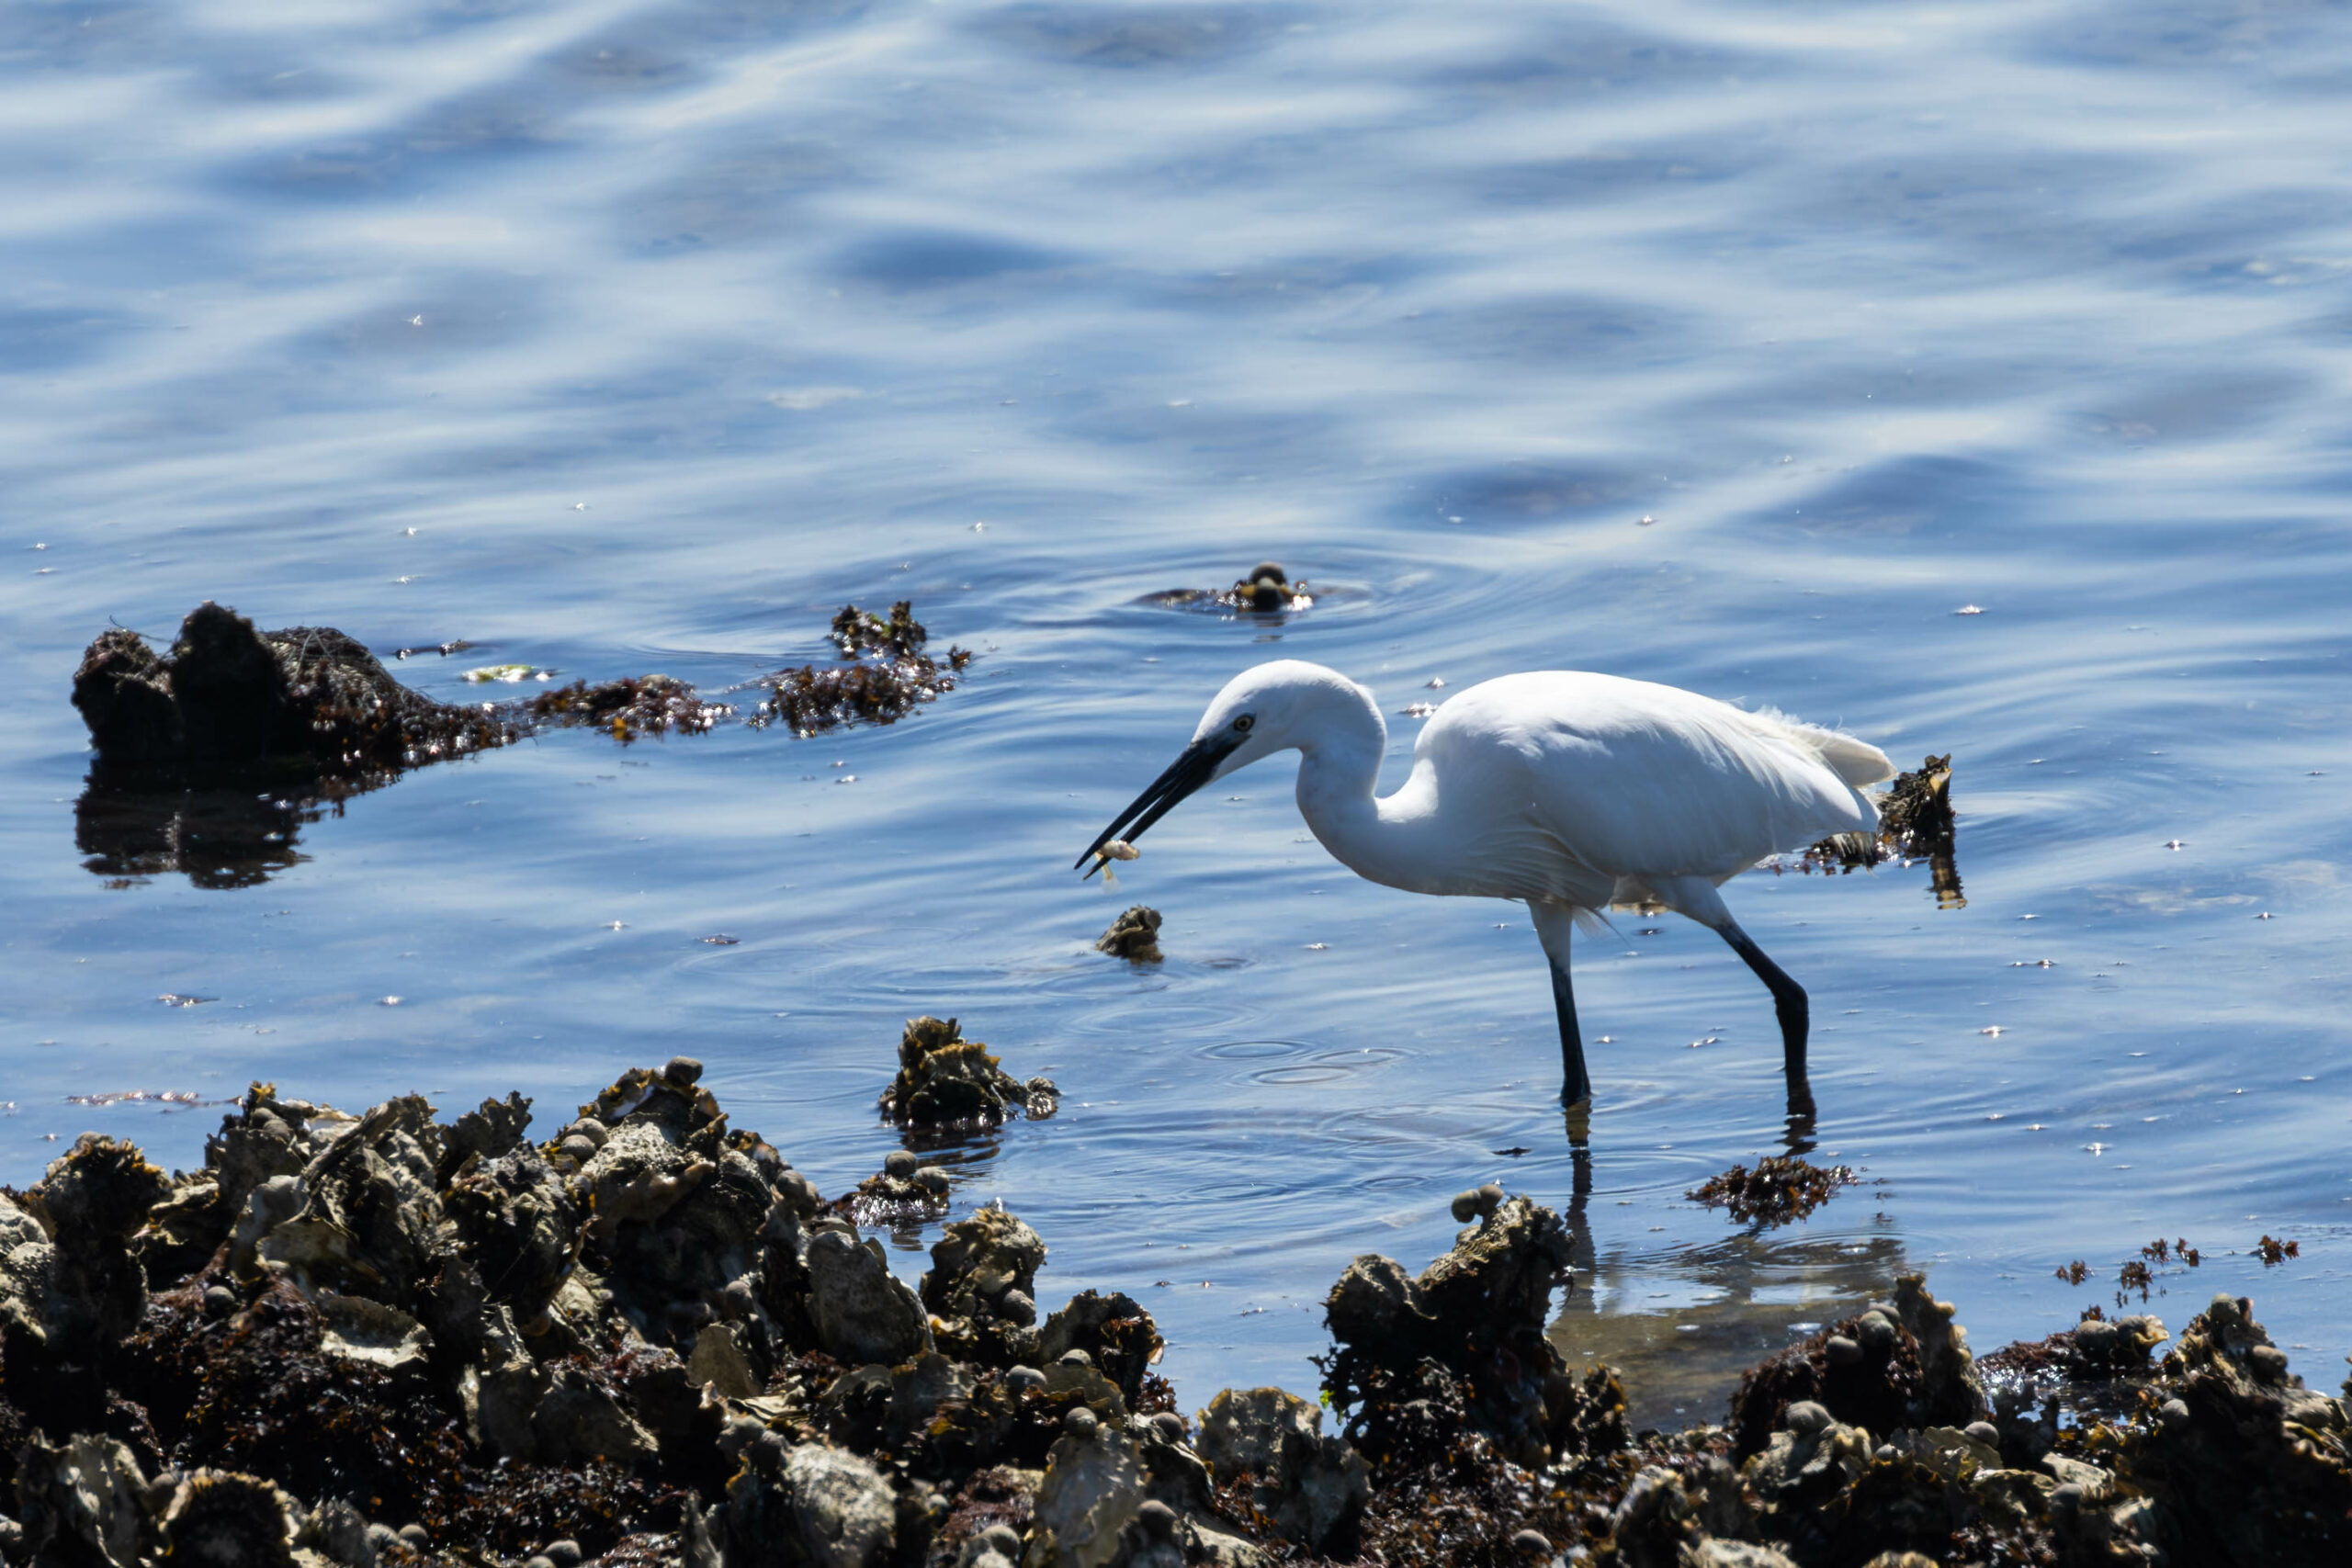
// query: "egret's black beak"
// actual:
[[1190, 770]]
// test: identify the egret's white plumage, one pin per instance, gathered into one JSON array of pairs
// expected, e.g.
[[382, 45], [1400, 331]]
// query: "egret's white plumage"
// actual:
[[1567, 789]]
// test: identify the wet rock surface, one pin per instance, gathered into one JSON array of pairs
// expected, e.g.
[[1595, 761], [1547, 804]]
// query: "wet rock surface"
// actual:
[[215, 752], [1134, 936], [390, 1338], [946, 1080]]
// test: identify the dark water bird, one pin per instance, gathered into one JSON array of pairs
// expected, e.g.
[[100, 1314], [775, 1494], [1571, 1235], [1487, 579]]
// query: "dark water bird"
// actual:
[[1567, 791]]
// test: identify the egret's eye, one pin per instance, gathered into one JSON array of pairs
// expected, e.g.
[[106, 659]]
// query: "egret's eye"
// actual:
[[1241, 726]]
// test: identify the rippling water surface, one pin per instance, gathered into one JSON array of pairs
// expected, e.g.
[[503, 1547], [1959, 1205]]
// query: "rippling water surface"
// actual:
[[1971, 376]]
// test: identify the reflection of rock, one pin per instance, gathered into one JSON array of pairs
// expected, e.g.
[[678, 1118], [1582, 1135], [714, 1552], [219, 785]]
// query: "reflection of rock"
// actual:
[[221, 838], [946, 1080], [1739, 1300]]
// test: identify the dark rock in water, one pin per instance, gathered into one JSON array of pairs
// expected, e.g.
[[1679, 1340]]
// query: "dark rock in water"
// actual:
[[213, 755], [1266, 590], [306, 702], [1134, 936], [946, 1080]]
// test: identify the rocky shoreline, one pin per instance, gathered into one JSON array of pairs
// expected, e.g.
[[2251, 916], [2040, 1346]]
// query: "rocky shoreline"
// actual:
[[387, 1339]]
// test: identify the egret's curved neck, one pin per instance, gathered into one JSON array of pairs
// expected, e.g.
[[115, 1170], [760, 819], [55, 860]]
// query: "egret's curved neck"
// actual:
[[1337, 776]]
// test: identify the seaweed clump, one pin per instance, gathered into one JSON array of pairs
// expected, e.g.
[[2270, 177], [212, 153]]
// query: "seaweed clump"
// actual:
[[946, 1080], [1781, 1190], [628, 709], [1134, 936], [1915, 822], [892, 676]]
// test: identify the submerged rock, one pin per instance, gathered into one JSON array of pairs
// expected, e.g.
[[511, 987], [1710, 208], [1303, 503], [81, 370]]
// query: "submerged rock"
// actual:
[[628, 709], [946, 1080], [1265, 588]]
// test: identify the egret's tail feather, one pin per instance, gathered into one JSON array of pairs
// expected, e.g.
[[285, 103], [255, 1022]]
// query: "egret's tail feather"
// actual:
[[1857, 761], [1592, 922]]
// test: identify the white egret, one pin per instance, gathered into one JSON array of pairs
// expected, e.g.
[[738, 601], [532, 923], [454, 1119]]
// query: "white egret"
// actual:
[[1567, 791]]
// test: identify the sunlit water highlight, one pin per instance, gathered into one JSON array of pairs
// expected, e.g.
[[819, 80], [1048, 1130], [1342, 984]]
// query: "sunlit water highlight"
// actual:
[[625, 336]]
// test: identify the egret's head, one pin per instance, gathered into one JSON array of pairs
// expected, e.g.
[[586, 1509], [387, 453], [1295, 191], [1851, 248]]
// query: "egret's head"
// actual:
[[1269, 708]]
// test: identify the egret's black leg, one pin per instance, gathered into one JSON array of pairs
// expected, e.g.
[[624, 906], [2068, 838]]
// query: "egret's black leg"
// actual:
[[1576, 1084], [1788, 1003]]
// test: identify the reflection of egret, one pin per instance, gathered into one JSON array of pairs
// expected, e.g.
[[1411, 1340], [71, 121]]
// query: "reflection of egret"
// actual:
[[1571, 791]]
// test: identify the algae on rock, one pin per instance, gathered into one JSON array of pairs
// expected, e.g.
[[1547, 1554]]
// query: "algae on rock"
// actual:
[[946, 1080]]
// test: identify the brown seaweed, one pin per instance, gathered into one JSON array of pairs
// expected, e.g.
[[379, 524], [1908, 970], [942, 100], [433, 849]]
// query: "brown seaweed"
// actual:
[[1780, 1189]]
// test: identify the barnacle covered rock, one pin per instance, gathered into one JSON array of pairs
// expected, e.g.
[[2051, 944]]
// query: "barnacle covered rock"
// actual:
[[981, 1287], [862, 1313], [806, 1506], [365, 1218], [1115, 1332], [1093, 1488], [1900, 1364], [69, 1286], [1134, 936], [86, 1501], [1313, 1487], [1464, 1344], [2253, 1468], [946, 1080]]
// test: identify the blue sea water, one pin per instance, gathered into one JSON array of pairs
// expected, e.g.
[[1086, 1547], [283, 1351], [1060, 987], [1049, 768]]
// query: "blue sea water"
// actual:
[[1973, 378]]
